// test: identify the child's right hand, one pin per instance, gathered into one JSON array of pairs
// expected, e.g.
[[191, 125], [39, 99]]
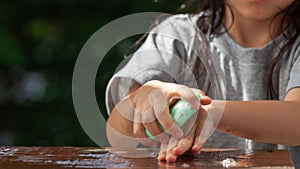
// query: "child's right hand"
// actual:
[[149, 103]]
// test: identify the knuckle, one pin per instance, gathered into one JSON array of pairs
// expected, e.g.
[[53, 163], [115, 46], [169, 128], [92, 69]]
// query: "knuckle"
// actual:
[[147, 117], [158, 112], [177, 90], [137, 133]]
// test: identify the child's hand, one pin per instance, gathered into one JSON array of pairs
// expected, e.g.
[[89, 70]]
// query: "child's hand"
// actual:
[[192, 142], [140, 110], [151, 102]]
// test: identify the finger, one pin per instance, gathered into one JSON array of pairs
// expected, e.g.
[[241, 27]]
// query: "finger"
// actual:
[[185, 143], [205, 100], [152, 126], [198, 143], [189, 96], [142, 138], [188, 126], [146, 111], [139, 132], [200, 133], [162, 113], [156, 132], [167, 122], [126, 108], [196, 149], [185, 93], [170, 157], [162, 152]]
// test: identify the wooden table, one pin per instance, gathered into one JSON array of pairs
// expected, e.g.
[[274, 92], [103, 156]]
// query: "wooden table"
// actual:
[[87, 157]]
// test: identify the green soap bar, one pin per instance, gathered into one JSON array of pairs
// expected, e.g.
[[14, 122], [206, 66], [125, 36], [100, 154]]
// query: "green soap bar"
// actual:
[[181, 112]]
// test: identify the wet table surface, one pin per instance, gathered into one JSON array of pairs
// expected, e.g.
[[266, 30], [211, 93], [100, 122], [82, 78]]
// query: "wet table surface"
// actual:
[[89, 157]]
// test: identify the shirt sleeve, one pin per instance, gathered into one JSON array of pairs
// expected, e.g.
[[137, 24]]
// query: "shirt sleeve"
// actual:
[[294, 82], [294, 75], [163, 56]]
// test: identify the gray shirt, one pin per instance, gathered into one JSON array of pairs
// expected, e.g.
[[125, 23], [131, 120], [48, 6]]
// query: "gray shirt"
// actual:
[[177, 51]]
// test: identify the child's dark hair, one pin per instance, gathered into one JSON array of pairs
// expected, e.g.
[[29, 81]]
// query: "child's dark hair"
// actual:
[[290, 20]]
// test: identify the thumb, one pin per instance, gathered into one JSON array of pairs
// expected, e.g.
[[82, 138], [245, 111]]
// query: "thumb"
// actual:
[[205, 100]]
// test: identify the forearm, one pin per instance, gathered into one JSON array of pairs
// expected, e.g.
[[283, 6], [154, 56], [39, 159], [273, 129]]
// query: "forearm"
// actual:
[[267, 121], [119, 128]]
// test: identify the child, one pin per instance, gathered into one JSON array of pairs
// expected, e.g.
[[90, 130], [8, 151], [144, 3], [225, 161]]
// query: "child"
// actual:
[[257, 46]]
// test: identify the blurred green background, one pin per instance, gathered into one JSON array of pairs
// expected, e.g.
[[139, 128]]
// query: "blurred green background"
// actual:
[[39, 44]]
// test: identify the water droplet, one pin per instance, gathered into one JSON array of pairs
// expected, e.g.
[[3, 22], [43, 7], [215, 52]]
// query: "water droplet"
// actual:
[[153, 154], [185, 165], [228, 162]]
